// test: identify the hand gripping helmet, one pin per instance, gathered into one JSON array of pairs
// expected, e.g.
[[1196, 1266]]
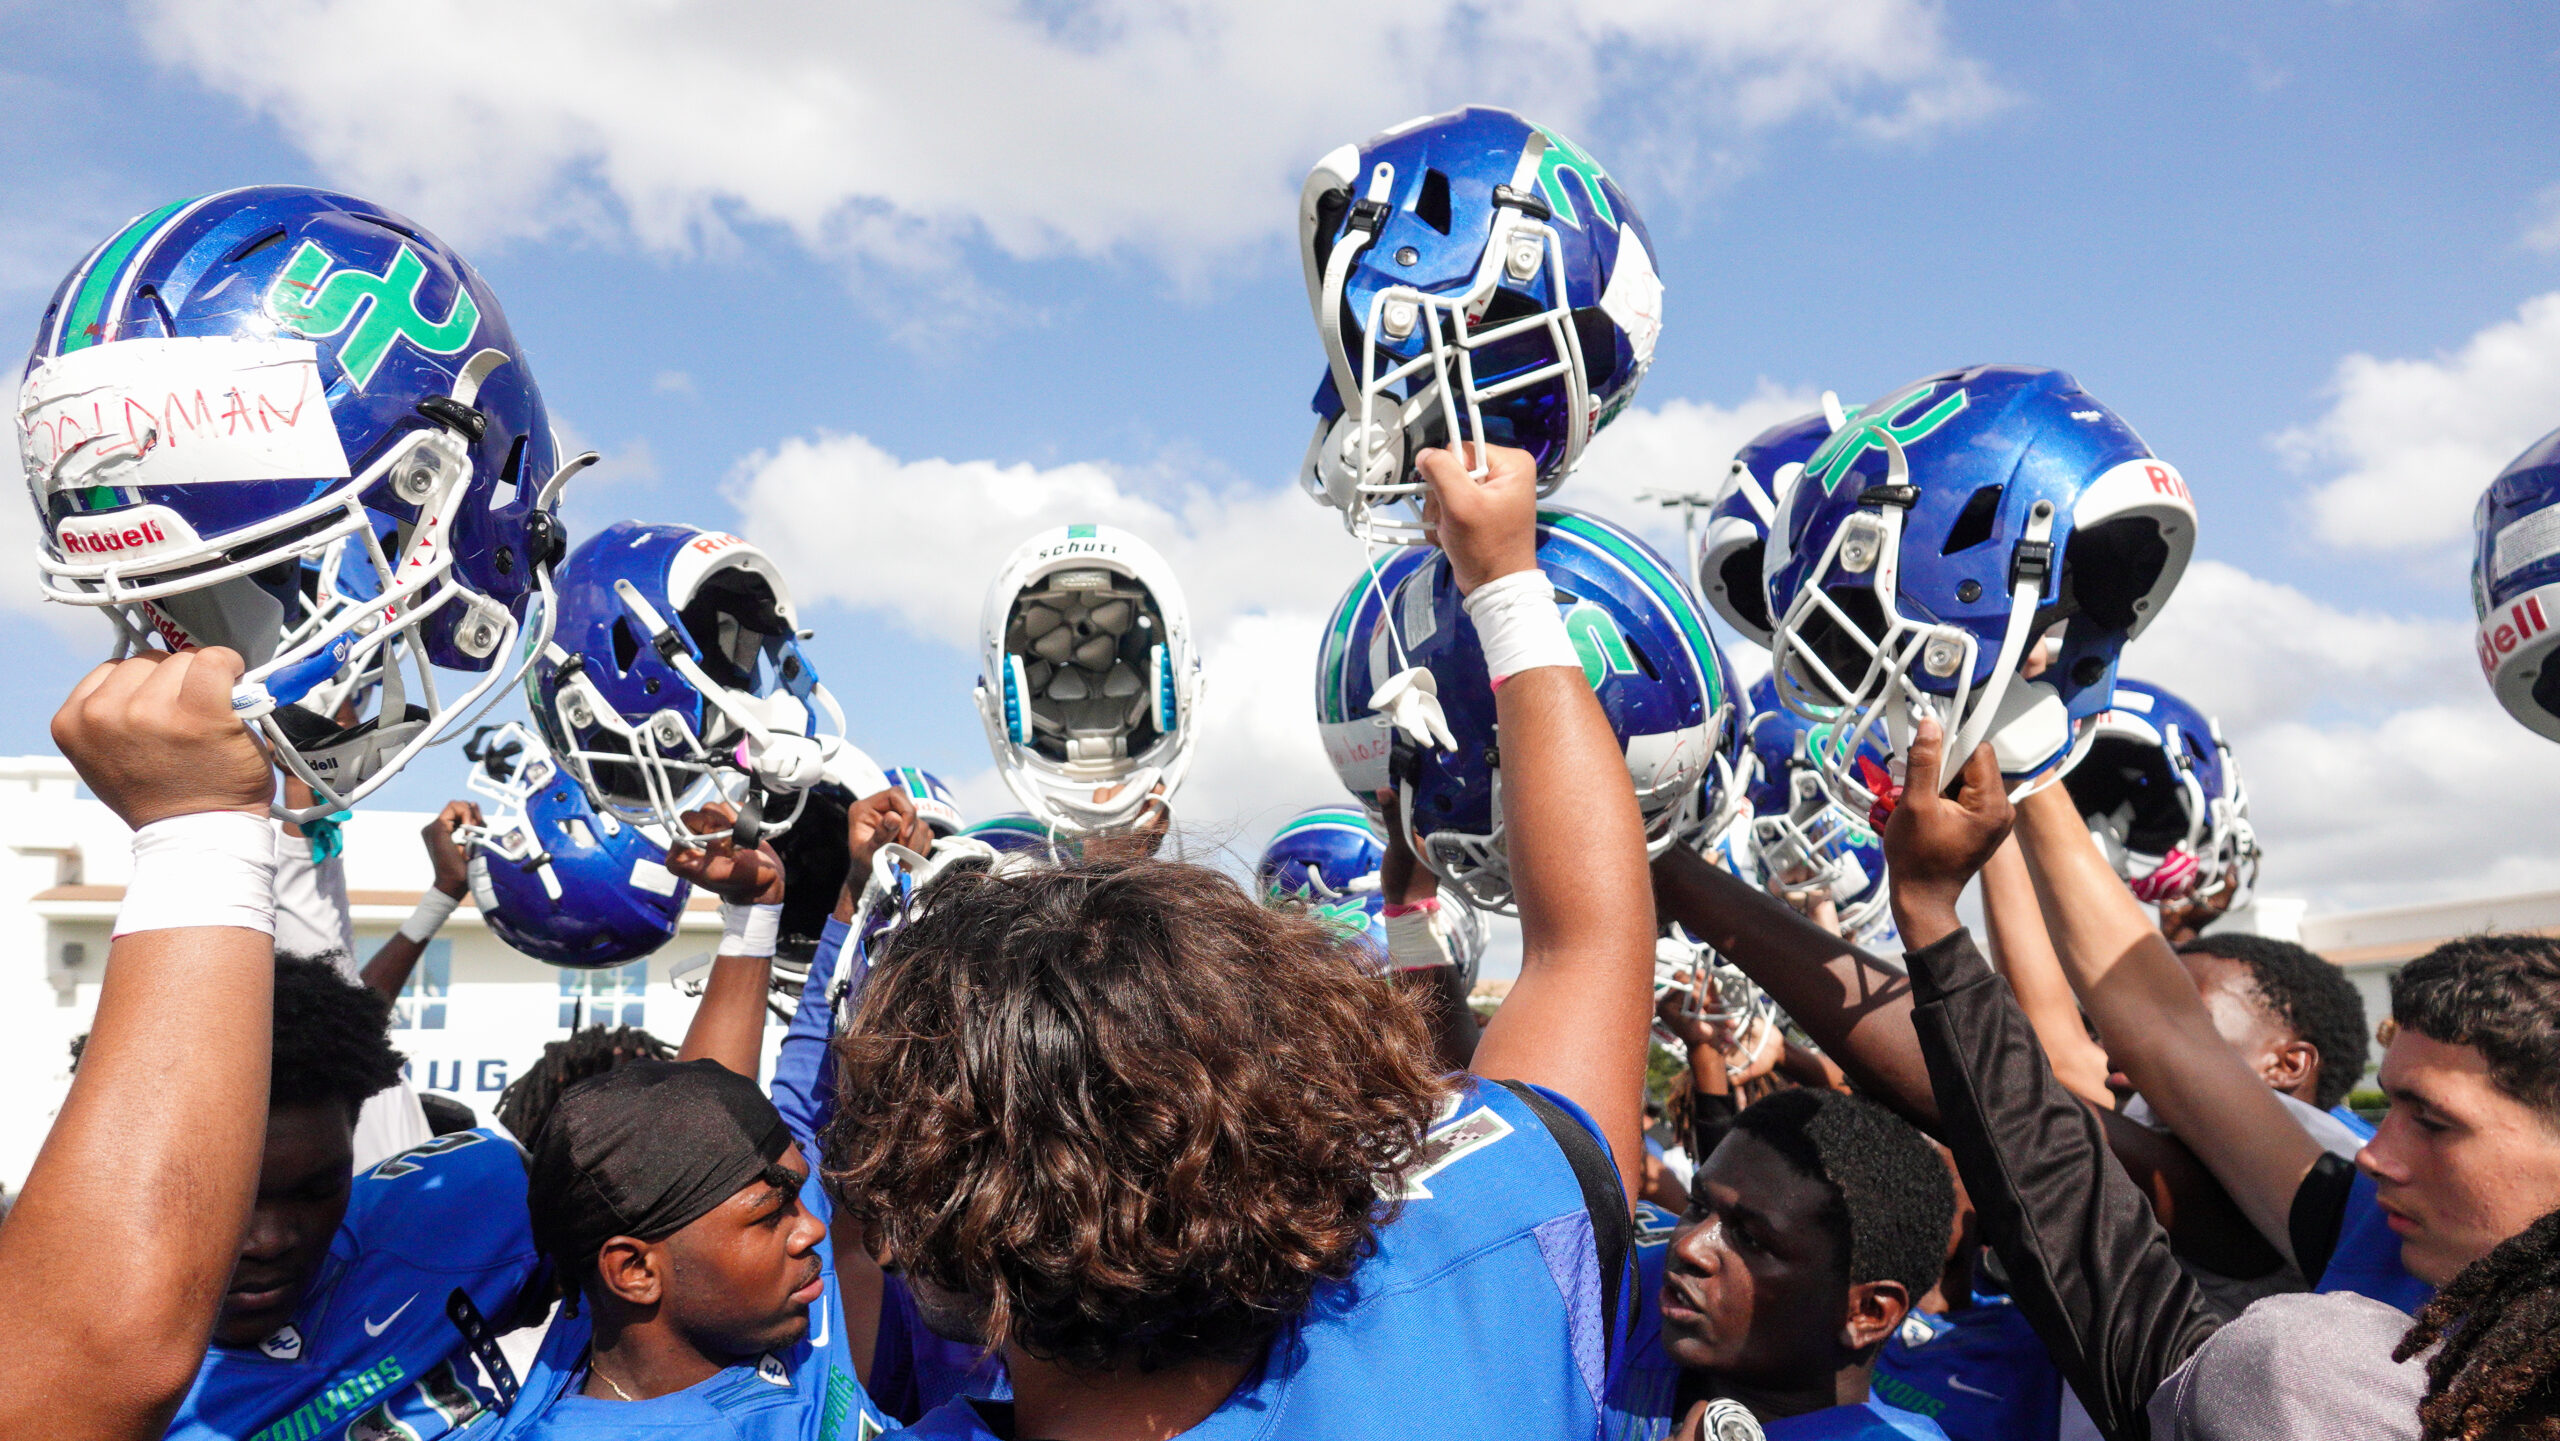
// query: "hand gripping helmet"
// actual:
[[932, 799], [1738, 522], [1645, 650], [1354, 658], [676, 677], [2515, 585], [1327, 858], [2162, 794], [1932, 540], [237, 393], [1473, 277], [1090, 679], [555, 878], [1800, 836]]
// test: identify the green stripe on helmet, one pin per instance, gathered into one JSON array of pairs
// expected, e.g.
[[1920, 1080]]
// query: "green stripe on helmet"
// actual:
[[1666, 588], [1345, 817], [1332, 660], [80, 325]]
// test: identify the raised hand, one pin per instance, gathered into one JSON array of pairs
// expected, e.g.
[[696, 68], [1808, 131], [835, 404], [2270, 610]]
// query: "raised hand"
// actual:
[[1488, 528], [735, 874], [1934, 844], [884, 817], [153, 736], [444, 852]]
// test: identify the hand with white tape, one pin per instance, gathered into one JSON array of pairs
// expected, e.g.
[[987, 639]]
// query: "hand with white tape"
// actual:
[[1410, 700], [153, 736]]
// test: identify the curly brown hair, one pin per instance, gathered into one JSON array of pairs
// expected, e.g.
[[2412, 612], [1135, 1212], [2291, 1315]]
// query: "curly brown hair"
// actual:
[[1131, 1114]]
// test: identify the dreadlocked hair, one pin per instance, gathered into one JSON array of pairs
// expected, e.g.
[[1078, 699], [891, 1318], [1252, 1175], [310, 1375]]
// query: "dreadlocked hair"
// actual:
[[2498, 1372], [526, 1104], [332, 1037]]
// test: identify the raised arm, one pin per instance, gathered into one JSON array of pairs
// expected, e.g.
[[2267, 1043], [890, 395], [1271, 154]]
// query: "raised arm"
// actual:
[[2155, 1025], [2085, 1261], [389, 969], [153, 1161], [728, 1026], [1578, 1019], [2023, 954], [803, 1075]]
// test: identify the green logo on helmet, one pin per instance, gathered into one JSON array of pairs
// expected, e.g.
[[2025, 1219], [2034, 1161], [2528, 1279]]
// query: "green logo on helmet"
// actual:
[[1597, 639], [1839, 455], [316, 302], [1563, 155]]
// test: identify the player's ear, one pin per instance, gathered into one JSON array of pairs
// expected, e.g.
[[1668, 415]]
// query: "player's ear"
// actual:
[[630, 1270], [1875, 1309], [2291, 1063]]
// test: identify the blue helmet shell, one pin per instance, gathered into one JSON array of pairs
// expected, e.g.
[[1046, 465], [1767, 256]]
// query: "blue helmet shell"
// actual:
[[1737, 533], [2010, 501], [1511, 246], [2515, 585], [1328, 858], [1800, 836], [1018, 833], [2158, 782], [1352, 661], [1644, 644], [448, 460], [572, 886], [933, 800]]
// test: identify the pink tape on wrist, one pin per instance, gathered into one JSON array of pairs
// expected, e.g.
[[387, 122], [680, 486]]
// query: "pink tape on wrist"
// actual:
[[1496, 687], [1398, 908]]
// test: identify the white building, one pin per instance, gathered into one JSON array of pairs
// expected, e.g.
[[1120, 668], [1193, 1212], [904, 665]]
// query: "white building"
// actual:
[[476, 1012]]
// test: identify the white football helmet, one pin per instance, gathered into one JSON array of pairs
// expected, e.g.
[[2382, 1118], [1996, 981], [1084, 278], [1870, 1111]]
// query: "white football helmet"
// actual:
[[1089, 678]]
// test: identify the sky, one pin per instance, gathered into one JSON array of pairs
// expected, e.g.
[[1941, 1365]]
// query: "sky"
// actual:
[[886, 288]]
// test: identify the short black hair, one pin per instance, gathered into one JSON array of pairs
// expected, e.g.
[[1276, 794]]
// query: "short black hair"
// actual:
[[2309, 996], [2499, 995], [528, 1100], [332, 1038], [1896, 1205]]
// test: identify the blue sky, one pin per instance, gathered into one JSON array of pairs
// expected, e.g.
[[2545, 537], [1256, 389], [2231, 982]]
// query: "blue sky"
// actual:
[[1050, 245]]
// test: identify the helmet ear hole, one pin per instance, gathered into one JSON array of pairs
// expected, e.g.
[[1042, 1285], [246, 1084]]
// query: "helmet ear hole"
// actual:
[[2110, 565], [1431, 206], [1973, 524], [626, 646], [1741, 576]]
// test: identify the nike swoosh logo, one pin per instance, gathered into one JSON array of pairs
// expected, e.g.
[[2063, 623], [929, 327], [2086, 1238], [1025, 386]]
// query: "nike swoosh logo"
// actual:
[[1956, 1383], [376, 1328]]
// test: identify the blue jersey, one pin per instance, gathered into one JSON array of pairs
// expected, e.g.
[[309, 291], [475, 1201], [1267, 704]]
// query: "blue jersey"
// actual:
[[806, 1392], [1980, 1373], [1644, 1392], [1479, 1314], [370, 1354], [2367, 1258], [2353, 1122]]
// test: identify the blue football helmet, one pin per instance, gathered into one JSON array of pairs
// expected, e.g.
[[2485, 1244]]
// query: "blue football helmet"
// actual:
[[1801, 838], [933, 800], [237, 393], [557, 879], [1473, 277], [2162, 793], [2515, 585], [1327, 859], [1737, 536], [1928, 543], [1645, 649], [1018, 833], [676, 677]]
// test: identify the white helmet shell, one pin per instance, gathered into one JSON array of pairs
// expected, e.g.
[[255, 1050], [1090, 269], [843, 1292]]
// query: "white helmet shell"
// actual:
[[1088, 677]]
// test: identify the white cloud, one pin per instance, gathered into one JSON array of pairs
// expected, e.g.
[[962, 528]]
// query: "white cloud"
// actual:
[[2542, 232], [2380, 769], [2414, 442], [1177, 128]]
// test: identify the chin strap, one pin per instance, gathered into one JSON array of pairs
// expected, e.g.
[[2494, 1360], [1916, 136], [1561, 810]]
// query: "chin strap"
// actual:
[[1410, 700]]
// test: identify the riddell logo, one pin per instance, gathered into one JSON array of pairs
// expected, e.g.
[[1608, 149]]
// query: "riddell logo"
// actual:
[[112, 542], [713, 541], [2499, 638], [2167, 482]]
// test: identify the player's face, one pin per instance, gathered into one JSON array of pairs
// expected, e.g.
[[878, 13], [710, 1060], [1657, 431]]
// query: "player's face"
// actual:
[[302, 1196], [741, 1277], [2243, 1019], [1753, 1287], [2458, 1164]]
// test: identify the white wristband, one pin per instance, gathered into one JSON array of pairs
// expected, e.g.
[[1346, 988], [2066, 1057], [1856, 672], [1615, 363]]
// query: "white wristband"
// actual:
[[1416, 940], [1518, 626], [429, 917], [213, 868], [750, 931]]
